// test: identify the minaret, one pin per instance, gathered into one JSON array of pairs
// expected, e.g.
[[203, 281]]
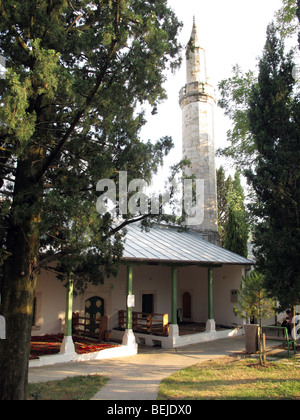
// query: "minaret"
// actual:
[[198, 145]]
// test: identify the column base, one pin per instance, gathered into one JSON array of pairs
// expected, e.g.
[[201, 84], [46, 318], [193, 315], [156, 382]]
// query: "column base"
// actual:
[[210, 325], [129, 340], [173, 330], [67, 346]]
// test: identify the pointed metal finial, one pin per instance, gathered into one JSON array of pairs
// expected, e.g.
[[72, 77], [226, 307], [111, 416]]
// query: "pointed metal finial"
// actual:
[[194, 21]]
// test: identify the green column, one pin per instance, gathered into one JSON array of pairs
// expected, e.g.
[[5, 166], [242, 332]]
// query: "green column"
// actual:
[[174, 296], [69, 307], [210, 294], [129, 292]]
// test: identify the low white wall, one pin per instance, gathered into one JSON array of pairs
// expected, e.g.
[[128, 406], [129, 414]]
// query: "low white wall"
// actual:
[[179, 341]]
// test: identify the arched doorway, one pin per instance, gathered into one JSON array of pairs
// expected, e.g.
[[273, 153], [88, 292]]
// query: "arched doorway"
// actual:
[[94, 309], [187, 305]]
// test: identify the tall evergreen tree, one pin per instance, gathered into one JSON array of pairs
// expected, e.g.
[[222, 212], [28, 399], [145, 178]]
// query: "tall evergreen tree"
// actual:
[[224, 186], [274, 110], [76, 71], [268, 137], [237, 226]]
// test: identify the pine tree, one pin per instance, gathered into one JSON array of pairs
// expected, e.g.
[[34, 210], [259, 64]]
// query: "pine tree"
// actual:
[[76, 71]]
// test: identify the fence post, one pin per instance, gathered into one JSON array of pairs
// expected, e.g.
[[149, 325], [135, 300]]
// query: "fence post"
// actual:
[[149, 323]]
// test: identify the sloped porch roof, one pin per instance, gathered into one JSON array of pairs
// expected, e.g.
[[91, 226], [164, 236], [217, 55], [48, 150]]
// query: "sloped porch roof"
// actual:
[[165, 244]]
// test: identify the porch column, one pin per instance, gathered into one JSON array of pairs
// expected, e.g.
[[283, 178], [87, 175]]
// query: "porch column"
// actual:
[[210, 325], [129, 293], [174, 330], [174, 296], [129, 337], [68, 344]]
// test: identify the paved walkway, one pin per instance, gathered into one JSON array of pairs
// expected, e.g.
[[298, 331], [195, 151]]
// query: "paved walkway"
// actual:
[[138, 377]]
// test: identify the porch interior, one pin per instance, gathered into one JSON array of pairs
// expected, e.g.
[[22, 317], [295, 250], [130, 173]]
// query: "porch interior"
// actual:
[[159, 325], [185, 328], [189, 328]]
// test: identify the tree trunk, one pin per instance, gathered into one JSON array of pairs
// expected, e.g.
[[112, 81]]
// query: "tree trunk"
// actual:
[[18, 284], [261, 349]]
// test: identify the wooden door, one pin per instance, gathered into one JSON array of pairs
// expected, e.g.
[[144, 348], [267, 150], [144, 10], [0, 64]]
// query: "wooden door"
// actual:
[[148, 303], [94, 309]]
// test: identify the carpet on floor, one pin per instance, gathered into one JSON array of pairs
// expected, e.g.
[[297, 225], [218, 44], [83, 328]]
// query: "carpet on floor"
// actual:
[[50, 344]]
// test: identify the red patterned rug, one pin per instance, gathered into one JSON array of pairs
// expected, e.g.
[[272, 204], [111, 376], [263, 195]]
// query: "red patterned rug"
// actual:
[[50, 344]]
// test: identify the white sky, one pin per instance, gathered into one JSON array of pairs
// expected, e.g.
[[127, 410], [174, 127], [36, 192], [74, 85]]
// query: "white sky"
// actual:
[[232, 32]]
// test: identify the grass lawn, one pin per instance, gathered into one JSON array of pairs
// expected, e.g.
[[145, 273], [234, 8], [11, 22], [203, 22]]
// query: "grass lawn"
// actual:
[[233, 379], [73, 388]]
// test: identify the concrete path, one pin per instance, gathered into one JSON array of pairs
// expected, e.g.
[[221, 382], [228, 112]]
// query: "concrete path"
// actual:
[[138, 377]]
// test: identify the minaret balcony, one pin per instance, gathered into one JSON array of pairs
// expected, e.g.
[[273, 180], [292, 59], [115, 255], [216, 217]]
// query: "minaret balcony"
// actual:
[[195, 89]]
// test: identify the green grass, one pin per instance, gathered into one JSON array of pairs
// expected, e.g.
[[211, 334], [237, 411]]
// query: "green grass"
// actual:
[[73, 388], [234, 379]]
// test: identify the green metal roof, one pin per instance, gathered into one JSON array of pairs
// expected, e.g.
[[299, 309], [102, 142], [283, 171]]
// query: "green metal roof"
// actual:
[[165, 244]]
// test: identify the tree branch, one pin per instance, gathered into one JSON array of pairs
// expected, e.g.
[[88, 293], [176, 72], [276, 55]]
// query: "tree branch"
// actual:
[[73, 23], [129, 222], [49, 259]]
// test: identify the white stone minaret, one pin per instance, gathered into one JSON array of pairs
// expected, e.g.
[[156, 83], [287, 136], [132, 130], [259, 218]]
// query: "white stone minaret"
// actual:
[[198, 145]]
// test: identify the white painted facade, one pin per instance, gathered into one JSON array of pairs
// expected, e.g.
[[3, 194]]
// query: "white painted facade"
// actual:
[[154, 280]]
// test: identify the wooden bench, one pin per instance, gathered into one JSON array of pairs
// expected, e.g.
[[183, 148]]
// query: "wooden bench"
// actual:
[[284, 339], [145, 323]]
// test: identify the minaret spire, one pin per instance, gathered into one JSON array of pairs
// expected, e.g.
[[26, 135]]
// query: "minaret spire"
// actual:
[[198, 145], [196, 61]]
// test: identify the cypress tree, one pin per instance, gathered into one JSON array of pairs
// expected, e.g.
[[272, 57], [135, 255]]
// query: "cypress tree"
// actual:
[[224, 187], [274, 122], [237, 226]]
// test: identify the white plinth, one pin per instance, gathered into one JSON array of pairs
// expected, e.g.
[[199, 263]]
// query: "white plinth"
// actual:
[[129, 340], [174, 330], [67, 346], [210, 325]]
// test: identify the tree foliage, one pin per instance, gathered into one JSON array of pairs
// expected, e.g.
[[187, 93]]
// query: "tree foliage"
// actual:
[[76, 73], [235, 92], [273, 114], [233, 220], [224, 186], [286, 18], [254, 302], [237, 226], [253, 299], [265, 111]]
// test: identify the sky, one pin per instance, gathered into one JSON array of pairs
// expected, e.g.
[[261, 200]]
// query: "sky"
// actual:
[[231, 32]]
